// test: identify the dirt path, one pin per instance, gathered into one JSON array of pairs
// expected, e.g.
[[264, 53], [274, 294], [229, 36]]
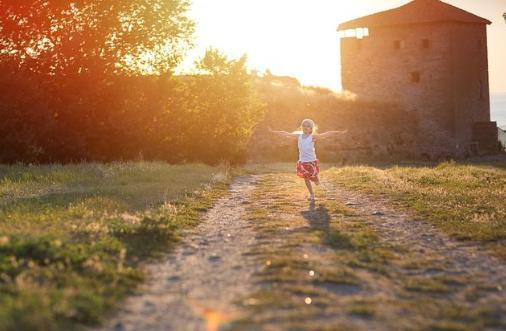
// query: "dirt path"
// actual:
[[264, 258], [349, 261], [195, 288]]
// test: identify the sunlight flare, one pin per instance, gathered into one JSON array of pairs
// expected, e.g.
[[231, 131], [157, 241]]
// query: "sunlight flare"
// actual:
[[214, 319]]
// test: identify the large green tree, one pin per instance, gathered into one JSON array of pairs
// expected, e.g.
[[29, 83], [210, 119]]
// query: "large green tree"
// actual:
[[99, 36], [69, 73]]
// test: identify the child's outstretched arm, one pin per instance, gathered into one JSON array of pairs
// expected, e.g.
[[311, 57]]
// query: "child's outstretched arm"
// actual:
[[329, 134], [283, 133]]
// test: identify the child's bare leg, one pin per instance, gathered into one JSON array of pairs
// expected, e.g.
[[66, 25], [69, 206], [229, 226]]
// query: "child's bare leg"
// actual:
[[317, 180], [309, 187]]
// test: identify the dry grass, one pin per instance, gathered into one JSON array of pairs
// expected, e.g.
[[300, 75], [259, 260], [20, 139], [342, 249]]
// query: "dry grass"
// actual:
[[71, 236]]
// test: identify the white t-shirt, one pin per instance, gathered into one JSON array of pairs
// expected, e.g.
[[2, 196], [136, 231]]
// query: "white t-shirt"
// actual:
[[306, 148]]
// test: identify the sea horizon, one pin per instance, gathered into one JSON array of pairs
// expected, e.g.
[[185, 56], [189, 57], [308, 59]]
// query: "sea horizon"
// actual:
[[498, 109]]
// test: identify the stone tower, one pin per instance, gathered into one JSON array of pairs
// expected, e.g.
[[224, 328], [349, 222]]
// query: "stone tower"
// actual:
[[430, 58]]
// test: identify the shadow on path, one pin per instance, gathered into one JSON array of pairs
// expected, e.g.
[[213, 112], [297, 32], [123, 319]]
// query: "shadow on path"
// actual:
[[318, 218]]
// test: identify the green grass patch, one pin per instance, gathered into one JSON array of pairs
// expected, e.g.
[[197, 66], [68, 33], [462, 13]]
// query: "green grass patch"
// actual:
[[72, 237]]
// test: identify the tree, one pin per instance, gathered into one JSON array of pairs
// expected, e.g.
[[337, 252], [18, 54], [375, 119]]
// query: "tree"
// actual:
[[98, 36], [92, 80], [216, 120], [71, 74]]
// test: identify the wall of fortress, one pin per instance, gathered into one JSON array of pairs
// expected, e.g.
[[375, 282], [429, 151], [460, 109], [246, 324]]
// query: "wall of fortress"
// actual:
[[438, 71]]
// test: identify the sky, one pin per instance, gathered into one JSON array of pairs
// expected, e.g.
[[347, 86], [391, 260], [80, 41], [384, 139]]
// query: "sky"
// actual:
[[298, 38]]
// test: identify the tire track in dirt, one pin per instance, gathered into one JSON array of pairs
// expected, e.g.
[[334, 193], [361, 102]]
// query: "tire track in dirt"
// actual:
[[422, 240], [429, 265], [197, 286]]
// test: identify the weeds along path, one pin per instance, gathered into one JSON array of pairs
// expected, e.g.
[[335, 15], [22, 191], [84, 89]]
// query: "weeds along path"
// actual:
[[349, 262], [196, 287]]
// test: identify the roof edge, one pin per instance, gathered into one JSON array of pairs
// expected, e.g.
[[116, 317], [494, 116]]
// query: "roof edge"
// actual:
[[381, 15], [339, 28]]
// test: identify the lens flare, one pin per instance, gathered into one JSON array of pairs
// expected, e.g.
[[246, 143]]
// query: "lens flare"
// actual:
[[213, 318]]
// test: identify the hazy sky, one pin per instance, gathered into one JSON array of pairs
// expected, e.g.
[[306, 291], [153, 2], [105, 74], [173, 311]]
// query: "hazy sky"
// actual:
[[298, 37]]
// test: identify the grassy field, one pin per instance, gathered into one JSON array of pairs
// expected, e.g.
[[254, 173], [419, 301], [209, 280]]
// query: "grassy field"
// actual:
[[71, 237]]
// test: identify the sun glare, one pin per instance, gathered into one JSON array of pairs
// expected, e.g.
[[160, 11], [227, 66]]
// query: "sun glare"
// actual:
[[284, 36], [294, 38]]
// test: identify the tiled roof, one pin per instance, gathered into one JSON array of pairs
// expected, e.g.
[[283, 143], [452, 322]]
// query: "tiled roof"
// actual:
[[417, 11]]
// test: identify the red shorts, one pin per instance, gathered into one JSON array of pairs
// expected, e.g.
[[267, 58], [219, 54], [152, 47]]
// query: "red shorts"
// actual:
[[308, 170]]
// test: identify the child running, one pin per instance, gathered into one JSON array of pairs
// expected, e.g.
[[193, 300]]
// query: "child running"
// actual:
[[308, 166]]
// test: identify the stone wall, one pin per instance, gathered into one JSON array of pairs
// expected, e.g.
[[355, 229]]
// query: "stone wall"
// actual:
[[485, 136], [470, 80]]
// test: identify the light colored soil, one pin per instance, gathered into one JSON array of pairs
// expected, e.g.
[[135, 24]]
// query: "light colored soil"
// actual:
[[195, 287]]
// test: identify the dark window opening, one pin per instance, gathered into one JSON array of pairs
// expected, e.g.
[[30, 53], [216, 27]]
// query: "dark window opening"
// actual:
[[397, 44], [425, 43], [415, 77]]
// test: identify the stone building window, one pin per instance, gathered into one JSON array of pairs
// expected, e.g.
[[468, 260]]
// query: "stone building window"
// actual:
[[425, 43], [398, 44], [415, 77]]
